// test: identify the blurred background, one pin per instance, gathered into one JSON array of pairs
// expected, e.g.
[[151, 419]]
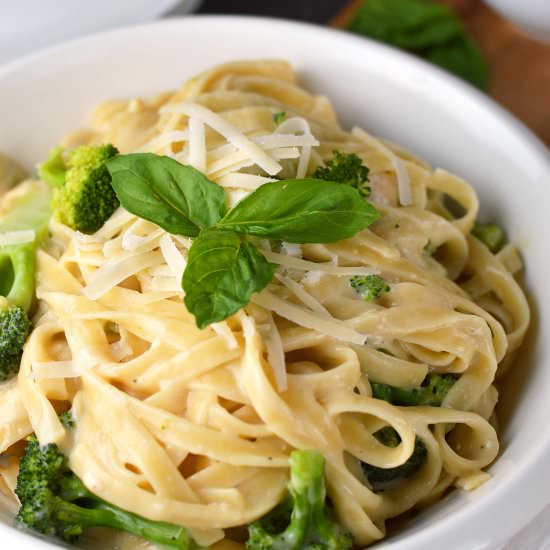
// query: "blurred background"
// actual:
[[506, 53]]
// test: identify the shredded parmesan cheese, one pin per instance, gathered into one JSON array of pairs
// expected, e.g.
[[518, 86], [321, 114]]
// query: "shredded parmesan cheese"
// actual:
[[303, 317], [239, 159], [197, 144], [303, 295], [296, 125], [250, 182], [306, 265], [172, 256], [473, 480], [223, 331], [235, 195], [275, 352], [164, 140], [17, 237], [114, 224], [53, 369], [131, 241], [291, 249], [232, 134], [115, 271]]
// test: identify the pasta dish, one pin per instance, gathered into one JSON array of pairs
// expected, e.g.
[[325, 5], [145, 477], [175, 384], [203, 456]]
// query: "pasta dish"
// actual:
[[331, 294]]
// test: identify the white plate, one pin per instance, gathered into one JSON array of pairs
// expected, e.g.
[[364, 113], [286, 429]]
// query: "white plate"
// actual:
[[391, 94], [28, 25]]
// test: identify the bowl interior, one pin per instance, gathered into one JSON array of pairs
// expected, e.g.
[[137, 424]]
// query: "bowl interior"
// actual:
[[390, 94]]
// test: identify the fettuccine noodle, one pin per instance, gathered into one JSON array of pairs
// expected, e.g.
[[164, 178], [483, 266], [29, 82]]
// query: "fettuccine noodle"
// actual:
[[195, 427]]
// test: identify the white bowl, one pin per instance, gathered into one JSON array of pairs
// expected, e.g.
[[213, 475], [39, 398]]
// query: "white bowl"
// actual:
[[391, 94], [29, 25]]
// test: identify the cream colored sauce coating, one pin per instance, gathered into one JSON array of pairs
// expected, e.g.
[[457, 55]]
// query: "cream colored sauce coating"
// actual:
[[192, 427]]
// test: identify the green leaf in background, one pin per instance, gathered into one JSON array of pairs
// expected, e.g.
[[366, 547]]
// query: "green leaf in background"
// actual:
[[178, 198], [222, 273], [301, 211], [429, 30], [461, 57]]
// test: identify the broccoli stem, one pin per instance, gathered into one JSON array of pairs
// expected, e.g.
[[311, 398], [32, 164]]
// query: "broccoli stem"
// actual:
[[26, 207], [303, 522], [54, 501], [165, 535], [23, 260], [96, 512], [308, 494]]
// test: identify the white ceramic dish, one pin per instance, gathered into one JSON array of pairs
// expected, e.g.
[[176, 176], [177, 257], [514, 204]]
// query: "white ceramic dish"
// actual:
[[391, 94], [28, 25]]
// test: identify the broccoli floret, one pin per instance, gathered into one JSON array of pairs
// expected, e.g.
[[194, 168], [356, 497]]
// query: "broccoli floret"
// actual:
[[67, 419], [279, 117], [433, 390], [14, 328], [55, 502], [303, 522], [346, 168], [369, 287], [53, 170], [431, 393], [381, 478], [27, 208], [490, 234], [83, 197]]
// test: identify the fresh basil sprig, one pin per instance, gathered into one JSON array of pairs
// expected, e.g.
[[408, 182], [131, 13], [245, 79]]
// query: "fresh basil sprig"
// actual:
[[222, 273], [301, 211], [223, 268], [178, 198]]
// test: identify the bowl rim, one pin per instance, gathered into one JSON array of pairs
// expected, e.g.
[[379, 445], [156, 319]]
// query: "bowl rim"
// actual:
[[146, 11], [520, 498]]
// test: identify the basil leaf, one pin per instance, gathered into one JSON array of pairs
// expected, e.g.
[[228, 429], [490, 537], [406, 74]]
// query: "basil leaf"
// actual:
[[301, 211], [178, 198], [222, 272], [427, 29]]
